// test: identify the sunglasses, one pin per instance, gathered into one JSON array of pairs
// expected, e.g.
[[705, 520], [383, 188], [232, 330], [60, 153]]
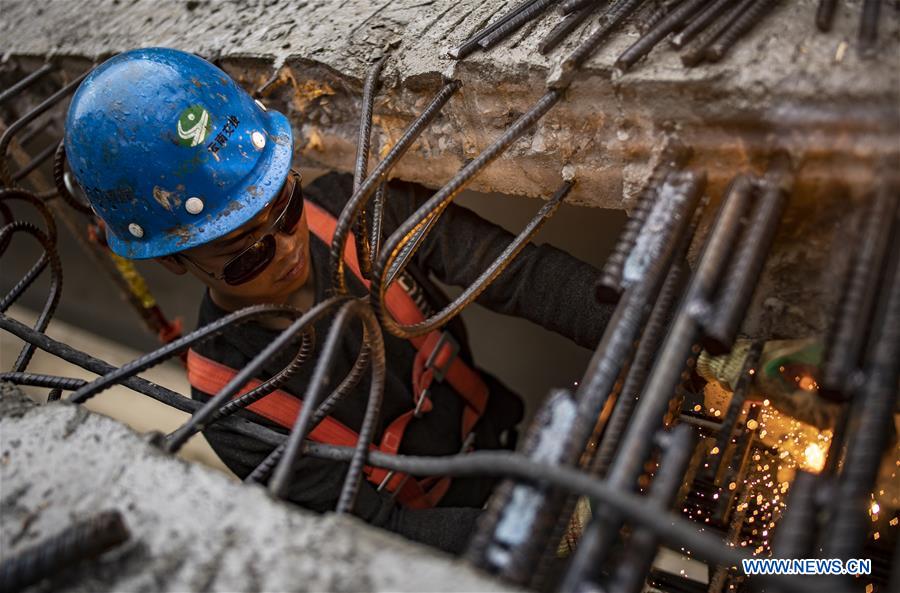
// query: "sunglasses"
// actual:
[[252, 260]]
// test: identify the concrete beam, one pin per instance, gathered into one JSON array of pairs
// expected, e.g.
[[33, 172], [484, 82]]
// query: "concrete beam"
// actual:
[[785, 85], [193, 528]]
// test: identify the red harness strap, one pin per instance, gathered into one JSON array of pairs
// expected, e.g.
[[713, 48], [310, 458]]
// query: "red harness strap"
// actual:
[[435, 359]]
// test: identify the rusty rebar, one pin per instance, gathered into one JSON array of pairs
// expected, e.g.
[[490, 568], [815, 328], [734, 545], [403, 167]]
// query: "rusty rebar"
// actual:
[[77, 544], [740, 27], [868, 27], [642, 46]]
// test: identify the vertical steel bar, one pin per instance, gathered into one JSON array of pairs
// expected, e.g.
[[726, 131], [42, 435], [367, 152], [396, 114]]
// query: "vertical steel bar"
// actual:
[[750, 255], [860, 293], [868, 27], [872, 426], [630, 574], [600, 533], [825, 15], [363, 249]]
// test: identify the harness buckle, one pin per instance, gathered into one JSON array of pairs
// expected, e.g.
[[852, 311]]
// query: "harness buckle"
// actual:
[[441, 371]]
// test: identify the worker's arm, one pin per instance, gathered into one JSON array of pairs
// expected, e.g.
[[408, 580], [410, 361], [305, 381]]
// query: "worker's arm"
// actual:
[[317, 484], [543, 284]]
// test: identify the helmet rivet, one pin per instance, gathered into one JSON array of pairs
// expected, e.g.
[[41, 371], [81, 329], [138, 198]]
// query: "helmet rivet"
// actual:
[[259, 141], [260, 104], [136, 230], [194, 205]]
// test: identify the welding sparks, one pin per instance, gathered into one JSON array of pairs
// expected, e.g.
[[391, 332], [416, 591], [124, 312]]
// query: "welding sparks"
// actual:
[[814, 457]]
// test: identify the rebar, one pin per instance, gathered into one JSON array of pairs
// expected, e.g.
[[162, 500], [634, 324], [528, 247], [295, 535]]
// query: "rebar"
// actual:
[[750, 254], [610, 285], [825, 14], [796, 530], [213, 408], [630, 574], [638, 369], [59, 178], [564, 27], [697, 52], [24, 83], [740, 27], [868, 27], [55, 283], [700, 22], [175, 347], [604, 369], [281, 477], [860, 294], [38, 380], [493, 271], [20, 123], [599, 534], [405, 241], [363, 249], [642, 46], [673, 530], [570, 6], [358, 200], [532, 11], [614, 16], [872, 426], [34, 163], [739, 392], [239, 425], [473, 43], [79, 543]]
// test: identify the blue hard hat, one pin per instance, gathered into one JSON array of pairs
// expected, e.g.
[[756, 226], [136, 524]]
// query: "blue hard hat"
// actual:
[[171, 152]]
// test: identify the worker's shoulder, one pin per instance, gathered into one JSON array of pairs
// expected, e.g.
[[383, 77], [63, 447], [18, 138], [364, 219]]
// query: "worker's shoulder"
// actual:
[[330, 191]]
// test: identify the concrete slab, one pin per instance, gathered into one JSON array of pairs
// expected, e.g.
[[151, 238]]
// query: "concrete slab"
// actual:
[[786, 85], [192, 528]]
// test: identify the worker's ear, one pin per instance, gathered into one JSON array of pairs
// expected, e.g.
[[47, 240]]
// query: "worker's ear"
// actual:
[[172, 263]]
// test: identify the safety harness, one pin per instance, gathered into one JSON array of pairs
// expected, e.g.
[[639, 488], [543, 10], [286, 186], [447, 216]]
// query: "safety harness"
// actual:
[[436, 360]]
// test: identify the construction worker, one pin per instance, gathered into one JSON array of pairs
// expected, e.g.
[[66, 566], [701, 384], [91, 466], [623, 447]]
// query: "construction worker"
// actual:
[[184, 167]]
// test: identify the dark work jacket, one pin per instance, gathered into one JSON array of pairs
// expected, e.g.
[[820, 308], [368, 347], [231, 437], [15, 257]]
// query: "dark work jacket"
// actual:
[[543, 284]]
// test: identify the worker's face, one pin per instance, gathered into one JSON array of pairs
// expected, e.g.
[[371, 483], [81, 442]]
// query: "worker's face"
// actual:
[[286, 272]]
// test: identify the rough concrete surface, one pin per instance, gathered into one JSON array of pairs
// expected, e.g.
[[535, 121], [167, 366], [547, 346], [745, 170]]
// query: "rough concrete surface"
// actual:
[[192, 528], [786, 84]]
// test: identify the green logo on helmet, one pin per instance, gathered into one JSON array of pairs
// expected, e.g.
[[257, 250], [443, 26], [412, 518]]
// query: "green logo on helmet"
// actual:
[[193, 126]]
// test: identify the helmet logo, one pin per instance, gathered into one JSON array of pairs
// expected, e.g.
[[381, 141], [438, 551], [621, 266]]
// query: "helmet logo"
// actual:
[[193, 126]]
